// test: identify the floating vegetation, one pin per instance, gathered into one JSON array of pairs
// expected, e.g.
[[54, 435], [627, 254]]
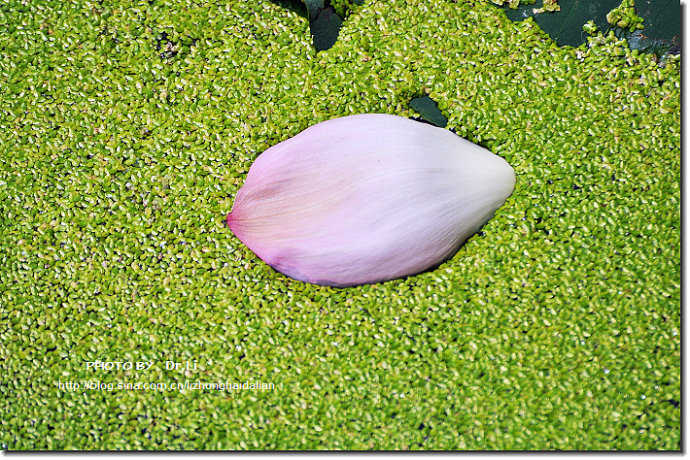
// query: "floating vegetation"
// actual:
[[128, 128]]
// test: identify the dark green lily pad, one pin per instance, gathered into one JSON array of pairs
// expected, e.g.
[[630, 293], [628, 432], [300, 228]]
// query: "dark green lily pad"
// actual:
[[661, 33], [325, 18], [429, 111], [324, 23]]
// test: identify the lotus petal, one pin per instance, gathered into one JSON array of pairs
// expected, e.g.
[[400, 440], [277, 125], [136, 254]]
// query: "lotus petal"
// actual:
[[367, 198]]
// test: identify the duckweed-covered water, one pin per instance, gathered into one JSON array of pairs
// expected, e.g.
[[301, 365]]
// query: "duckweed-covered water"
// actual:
[[127, 128]]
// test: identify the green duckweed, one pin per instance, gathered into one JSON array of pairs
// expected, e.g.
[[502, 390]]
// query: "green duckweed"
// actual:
[[126, 128]]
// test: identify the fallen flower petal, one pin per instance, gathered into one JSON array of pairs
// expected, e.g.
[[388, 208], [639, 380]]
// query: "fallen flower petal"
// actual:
[[367, 198]]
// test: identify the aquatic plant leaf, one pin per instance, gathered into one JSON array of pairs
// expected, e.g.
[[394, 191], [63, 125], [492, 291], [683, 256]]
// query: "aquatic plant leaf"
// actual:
[[429, 111], [661, 20], [324, 23]]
